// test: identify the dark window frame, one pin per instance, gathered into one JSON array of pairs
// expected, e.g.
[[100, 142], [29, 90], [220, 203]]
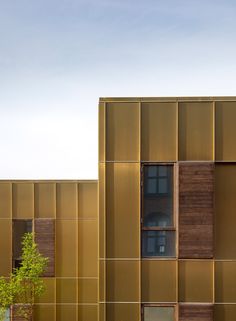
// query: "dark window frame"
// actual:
[[171, 228]]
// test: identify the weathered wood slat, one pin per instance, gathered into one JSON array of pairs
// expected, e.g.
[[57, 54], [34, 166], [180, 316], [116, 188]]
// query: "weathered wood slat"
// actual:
[[188, 312], [45, 238], [196, 208]]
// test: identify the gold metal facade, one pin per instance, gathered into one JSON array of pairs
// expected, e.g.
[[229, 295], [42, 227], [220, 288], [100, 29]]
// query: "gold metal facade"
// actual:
[[72, 294], [133, 131]]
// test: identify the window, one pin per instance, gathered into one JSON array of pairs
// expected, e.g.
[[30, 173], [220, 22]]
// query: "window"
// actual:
[[158, 313], [20, 227], [158, 225]]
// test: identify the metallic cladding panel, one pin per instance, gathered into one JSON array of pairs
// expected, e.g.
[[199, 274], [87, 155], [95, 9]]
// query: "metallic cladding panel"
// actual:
[[123, 311], [122, 210], [88, 199], [45, 200], [196, 131], [67, 200], [102, 211], [23, 200], [225, 204], [6, 200], [159, 283], [159, 130], [225, 312], [67, 290], [88, 248], [66, 248], [45, 313], [101, 132], [122, 132], [67, 312], [196, 281], [49, 296], [88, 291], [225, 281], [5, 247], [122, 284], [225, 131], [102, 280], [88, 313]]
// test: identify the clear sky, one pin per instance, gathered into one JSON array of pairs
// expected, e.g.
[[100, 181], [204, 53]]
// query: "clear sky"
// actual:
[[58, 57]]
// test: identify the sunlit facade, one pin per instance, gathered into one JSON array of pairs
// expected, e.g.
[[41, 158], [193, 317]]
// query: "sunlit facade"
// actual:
[[154, 238]]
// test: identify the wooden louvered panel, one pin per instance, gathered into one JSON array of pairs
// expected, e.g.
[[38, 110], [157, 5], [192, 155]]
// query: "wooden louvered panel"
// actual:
[[195, 312], [196, 208], [45, 238]]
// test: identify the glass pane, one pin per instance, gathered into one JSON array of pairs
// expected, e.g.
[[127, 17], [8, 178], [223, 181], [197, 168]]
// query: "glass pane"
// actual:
[[152, 171], [20, 227], [158, 196], [158, 243], [151, 186], [158, 313], [162, 186]]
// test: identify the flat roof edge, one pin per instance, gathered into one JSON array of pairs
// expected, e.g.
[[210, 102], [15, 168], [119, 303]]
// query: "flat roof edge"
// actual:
[[167, 98]]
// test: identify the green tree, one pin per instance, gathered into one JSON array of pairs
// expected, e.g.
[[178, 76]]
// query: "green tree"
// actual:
[[24, 284]]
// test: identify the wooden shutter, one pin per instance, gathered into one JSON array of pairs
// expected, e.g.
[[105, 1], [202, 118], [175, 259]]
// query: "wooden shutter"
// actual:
[[196, 312], [45, 238], [196, 207]]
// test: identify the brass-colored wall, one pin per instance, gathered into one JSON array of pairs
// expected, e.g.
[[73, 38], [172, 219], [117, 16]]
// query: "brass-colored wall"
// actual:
[[73, 293], [133, 131]]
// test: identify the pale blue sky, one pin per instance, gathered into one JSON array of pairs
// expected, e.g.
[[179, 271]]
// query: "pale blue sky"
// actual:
[[58, 57]]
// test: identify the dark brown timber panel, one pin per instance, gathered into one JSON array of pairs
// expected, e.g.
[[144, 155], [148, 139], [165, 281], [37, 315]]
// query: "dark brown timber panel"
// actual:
[[17, 312], [195, 312], [196, 207], [45, 238]]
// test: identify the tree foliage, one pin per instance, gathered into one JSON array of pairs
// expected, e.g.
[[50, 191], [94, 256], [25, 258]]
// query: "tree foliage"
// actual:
[[24, 284]]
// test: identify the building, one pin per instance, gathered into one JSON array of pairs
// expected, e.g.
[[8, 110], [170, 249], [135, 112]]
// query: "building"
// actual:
[[166, 217]]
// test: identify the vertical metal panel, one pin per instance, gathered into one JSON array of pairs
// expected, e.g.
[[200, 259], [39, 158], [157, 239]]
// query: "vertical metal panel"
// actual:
[[67, 200], [102, 312], [67, 290], [45, 312], [225, 130], [88, 291], [88, 200], [102, 210], [45, 238], [88, 248], [123, 210], [5, 247], [159, 131], [102, 280], [225, 219], [196, 281], [122, 132], [6, 200], [225, 281], [23, 200], [196, 208], [159, 281], [123, 311], [101, 131], [196, 131], [66, 248], [45, 200], [67, 312], [88, 313], [225, 312], [196, 312], [49, 296], [122, 283]]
